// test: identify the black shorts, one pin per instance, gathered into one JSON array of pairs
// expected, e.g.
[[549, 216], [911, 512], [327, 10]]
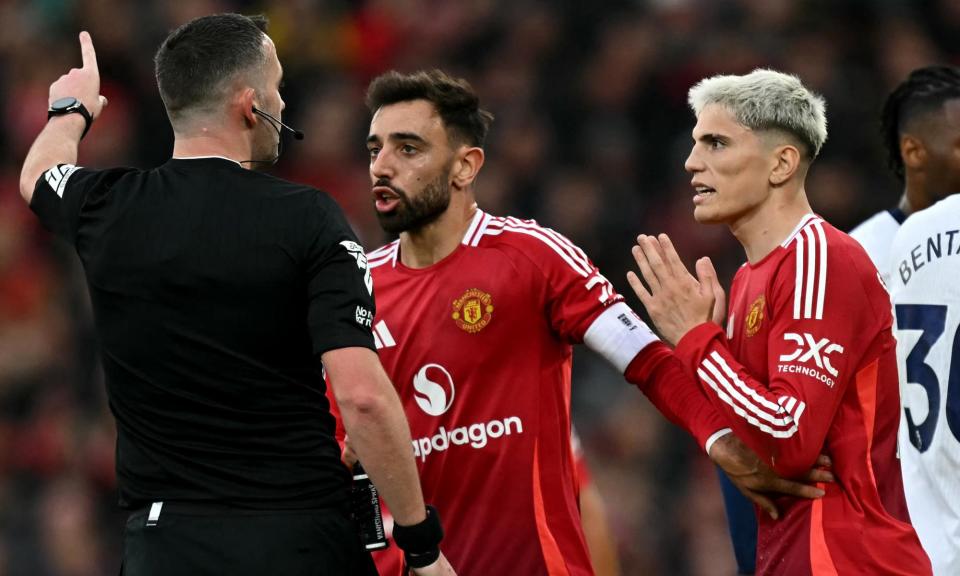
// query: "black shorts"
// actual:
[[198, 541]]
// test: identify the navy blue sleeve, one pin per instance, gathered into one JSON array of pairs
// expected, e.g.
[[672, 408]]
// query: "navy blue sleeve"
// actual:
[[742, 521]]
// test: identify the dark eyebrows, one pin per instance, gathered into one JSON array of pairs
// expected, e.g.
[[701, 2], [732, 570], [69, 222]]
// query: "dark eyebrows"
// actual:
[[711, 137], [408, 136], [398, 137]]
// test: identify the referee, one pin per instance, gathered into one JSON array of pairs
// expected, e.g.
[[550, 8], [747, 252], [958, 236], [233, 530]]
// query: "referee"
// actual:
[[218, 292]]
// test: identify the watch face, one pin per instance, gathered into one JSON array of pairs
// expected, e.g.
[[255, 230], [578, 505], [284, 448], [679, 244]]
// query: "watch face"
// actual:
[[64, 103]]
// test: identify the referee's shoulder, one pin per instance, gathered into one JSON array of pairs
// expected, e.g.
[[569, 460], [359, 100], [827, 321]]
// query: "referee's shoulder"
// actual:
[[305, 195]]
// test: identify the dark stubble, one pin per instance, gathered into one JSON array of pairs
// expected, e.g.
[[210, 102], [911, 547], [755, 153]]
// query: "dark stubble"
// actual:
[[415, 213]]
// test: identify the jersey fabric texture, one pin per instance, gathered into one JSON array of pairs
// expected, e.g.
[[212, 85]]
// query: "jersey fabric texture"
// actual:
[[389, 561], [479, 346], [807, 366], [924, 268], [213, 289], [875, 234]]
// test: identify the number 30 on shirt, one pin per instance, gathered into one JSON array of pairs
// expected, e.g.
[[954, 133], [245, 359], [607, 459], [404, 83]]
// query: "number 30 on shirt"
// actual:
[[930, 320]]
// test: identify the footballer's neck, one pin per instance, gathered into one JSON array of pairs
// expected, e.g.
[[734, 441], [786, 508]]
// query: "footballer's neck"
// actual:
[[762, 230], [432, 243]]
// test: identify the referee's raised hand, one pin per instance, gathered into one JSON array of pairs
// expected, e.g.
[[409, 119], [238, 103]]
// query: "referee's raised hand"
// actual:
[[82, 83]]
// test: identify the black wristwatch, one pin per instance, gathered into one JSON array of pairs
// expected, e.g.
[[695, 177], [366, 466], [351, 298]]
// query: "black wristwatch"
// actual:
[[70, 105]]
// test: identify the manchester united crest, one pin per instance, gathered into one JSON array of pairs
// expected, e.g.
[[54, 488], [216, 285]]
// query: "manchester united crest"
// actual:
[[755, 316], [473, 311]]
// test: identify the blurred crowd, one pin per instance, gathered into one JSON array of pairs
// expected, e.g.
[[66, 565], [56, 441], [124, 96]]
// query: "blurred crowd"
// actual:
[[591, 132]]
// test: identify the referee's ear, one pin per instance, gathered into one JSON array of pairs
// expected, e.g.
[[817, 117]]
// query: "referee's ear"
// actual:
[[466, 166], [245, 101]]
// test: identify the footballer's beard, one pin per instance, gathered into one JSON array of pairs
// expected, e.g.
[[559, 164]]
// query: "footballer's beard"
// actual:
[[419, 211]]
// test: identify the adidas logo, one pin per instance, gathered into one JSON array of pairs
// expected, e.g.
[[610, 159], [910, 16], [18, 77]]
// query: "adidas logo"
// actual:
[[382, 337]]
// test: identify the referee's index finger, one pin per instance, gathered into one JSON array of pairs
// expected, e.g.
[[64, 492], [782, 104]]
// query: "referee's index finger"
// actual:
[[87, 51]]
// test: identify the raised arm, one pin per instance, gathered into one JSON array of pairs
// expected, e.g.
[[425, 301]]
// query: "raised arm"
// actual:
[[59, 139]]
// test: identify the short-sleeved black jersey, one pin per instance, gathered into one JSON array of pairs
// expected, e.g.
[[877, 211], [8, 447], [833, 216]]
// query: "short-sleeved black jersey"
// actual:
[[213, 289]]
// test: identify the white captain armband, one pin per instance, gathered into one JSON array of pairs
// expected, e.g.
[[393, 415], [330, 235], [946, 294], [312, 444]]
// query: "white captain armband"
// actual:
[[618, 334], [57, 177]]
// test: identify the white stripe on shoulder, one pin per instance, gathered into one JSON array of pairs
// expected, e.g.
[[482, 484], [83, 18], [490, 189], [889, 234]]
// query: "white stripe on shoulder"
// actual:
[[497, 228], [385, 249], [572, 248], [822, 289], [472, 229], [384, 255], [798, 279], [809, 290], [481, 229], [813, 252], [558, 240], [803, 222], [493, 223]]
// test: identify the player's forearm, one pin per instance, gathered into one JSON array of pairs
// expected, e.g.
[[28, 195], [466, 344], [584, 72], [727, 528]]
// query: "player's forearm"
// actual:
[[56, 144], [380, 436], [772, 420], [791, 456], [659, 375]]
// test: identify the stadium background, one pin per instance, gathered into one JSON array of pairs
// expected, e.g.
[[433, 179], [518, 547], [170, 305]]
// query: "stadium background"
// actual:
[[591, 133]]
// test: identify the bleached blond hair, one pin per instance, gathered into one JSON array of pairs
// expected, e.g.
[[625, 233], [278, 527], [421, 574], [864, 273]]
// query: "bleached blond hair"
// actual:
[[767, 100]]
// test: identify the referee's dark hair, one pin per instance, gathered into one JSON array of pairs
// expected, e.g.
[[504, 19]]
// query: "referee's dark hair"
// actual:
[[454, 98], [197, 60], [924, 91]]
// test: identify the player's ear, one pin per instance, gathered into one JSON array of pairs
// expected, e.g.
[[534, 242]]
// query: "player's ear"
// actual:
[[466, 166], [913, 152], [786, 161]]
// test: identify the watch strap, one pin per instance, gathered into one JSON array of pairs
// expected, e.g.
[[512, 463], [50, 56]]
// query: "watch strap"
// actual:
[[77, 108]]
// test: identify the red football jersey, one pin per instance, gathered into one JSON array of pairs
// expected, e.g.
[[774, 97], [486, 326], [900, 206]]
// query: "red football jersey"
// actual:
[[389, 561], [479, 346], [807, 366]]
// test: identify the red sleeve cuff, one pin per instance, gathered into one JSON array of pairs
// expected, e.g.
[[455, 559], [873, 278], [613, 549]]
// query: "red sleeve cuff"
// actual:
[[692, 347], [660, 376]]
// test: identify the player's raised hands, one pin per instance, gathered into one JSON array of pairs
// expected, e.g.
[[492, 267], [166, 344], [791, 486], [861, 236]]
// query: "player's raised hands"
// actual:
[[82, 83], [675, 300]]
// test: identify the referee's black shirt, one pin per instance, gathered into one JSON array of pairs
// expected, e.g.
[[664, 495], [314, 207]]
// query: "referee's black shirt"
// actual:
[[213, 289]]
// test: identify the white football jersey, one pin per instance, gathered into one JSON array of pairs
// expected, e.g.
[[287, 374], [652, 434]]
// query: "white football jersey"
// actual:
[[924, 283], [875, 234]]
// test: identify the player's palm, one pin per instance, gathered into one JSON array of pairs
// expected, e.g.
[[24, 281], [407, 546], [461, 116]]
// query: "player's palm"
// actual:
[[675, 300]]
